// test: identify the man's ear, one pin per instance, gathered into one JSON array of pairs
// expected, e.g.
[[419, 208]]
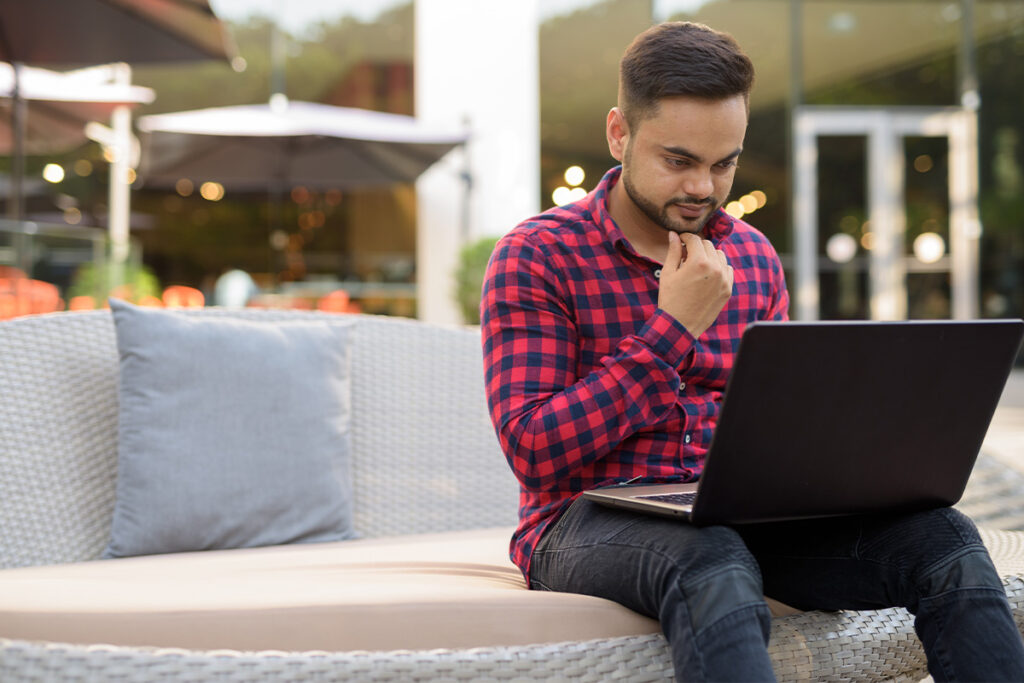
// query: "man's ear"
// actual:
[[617, 132]]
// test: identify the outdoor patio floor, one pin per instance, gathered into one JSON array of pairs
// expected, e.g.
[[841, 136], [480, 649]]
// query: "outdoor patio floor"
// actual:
[[995, 493]]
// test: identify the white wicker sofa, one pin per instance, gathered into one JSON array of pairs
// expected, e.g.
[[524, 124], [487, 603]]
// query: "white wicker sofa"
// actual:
[[427, 594]]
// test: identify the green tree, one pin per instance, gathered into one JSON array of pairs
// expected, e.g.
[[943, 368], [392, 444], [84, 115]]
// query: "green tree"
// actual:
[[469, 277]]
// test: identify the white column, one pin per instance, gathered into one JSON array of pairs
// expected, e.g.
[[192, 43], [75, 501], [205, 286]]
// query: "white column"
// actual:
[[964, 222], [805, 214], [886, 210], [119, 194], [459, 81]]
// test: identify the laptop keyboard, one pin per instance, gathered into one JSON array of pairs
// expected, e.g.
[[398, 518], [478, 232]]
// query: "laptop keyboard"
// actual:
[[676, 498]]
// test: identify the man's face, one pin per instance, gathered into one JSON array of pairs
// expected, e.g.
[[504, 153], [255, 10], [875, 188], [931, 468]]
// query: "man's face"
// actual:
[[678, 166]]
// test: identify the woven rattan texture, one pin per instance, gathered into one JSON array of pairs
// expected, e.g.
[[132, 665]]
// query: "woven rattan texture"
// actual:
[[425, 457], [635, 659], [58, 432]]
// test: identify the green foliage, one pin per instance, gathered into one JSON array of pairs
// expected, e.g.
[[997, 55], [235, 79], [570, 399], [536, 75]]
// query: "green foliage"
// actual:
[[469, 277], [94, 280]]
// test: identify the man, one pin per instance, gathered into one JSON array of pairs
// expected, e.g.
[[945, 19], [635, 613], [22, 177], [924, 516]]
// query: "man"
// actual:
[[610, 326]]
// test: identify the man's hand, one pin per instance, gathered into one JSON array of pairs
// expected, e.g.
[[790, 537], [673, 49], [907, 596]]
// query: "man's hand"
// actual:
[[696, 282]]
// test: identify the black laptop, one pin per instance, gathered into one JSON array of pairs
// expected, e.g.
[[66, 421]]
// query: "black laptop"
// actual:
[[839, 418]]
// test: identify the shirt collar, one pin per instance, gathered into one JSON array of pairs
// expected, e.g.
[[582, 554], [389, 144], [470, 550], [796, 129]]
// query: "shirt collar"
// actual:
[[718, 227]]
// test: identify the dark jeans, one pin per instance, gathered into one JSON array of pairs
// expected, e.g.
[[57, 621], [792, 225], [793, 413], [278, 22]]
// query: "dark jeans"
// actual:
[[706, 585]]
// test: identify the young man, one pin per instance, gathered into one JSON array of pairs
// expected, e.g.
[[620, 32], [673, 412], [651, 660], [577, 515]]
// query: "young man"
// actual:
[[610, 326]]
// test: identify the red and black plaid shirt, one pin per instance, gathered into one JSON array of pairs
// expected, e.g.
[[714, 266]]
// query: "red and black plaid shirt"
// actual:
[[589, 382]]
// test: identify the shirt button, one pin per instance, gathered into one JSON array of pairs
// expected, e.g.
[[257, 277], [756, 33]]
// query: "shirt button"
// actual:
[[657, 272], [682, 385], [687, 439]]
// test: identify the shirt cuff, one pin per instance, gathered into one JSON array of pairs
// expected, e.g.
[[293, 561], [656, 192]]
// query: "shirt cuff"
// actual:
[[668, 338]]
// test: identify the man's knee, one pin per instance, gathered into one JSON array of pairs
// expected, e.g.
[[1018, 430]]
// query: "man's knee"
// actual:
[[920, 539], [717, 576], [956, 551], [716, 595], [948, 554]]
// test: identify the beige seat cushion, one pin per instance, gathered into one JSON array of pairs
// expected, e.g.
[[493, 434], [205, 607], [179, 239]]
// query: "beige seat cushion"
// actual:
[[449, 590]]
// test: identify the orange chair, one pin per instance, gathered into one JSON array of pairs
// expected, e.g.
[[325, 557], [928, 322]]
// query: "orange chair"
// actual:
[[22, 296], [43, 297], [8, 304], [8, 299], [180, 296], [298, 303], [83, 302], [334, 302]]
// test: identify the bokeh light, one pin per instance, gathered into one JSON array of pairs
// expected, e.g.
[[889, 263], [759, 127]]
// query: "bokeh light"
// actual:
[[212, 191], [841, 247], [929, 247], [53, 173], [575, 175]]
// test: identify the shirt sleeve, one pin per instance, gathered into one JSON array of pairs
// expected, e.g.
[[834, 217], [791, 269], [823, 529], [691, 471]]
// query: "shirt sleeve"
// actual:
[[552, 423], [779, 308]]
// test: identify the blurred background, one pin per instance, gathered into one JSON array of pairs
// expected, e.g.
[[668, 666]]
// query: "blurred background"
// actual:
[[884, 157]]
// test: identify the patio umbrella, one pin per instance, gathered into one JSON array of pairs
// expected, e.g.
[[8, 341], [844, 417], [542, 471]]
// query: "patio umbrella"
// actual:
[[77, 32], [57, 108], [272, 148], [61, 104], [259, 146]]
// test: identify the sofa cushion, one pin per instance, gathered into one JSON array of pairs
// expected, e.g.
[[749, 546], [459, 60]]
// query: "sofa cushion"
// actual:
[[448, 590], [231, 433]]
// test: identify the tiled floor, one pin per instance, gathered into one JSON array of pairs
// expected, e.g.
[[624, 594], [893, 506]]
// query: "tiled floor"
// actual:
[[1005, 441]]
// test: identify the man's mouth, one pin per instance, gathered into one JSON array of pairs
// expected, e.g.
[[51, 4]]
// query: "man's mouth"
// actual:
[[691, 210]]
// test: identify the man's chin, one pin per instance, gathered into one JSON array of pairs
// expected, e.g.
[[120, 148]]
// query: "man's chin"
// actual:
[[683, 224], [693, 226]]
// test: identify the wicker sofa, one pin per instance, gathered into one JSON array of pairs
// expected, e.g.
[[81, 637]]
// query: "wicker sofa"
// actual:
[[427, 593]]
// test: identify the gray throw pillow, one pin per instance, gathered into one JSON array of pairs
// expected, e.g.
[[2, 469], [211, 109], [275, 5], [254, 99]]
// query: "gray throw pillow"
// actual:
[[232, 433]]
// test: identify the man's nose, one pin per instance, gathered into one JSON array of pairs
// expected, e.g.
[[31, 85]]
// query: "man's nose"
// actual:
[[698, 183]]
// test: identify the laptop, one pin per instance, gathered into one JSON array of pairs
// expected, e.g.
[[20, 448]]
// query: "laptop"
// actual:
[[842, 418]]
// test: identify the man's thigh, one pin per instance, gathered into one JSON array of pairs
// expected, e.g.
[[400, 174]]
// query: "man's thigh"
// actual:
[[865, 562], [633, 559]]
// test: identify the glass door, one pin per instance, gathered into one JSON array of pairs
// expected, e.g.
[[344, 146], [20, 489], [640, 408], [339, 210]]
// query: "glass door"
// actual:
[[912, 251]]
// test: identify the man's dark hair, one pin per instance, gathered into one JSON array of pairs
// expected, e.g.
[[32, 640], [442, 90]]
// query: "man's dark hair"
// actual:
[[680, 58]]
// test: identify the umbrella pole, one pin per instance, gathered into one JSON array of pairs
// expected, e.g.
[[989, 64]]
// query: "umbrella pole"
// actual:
[[15, 199], [273, 219], [18, 111], [119, 194]]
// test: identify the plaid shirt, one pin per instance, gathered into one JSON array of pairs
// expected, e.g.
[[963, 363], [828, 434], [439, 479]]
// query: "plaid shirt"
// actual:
[[589, 382]]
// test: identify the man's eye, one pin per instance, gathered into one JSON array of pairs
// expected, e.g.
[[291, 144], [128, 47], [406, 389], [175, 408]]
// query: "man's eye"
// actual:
[[731, 163]]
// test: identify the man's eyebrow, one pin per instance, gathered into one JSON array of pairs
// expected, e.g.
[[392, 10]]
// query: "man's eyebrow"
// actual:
[[683, 152]]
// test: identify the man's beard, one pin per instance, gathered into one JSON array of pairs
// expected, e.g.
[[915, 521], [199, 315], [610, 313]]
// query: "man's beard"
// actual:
[[660, 216]]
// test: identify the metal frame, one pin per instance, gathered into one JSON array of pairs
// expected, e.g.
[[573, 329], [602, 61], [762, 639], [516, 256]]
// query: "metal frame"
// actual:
[[884, 128]]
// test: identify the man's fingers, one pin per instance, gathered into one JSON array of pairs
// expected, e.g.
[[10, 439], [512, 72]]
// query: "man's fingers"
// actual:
[[675, 252], [690, 241], [710, 250]]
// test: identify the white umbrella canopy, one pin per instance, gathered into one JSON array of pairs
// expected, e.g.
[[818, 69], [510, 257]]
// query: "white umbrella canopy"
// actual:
[[259, 147], [61, 104]]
